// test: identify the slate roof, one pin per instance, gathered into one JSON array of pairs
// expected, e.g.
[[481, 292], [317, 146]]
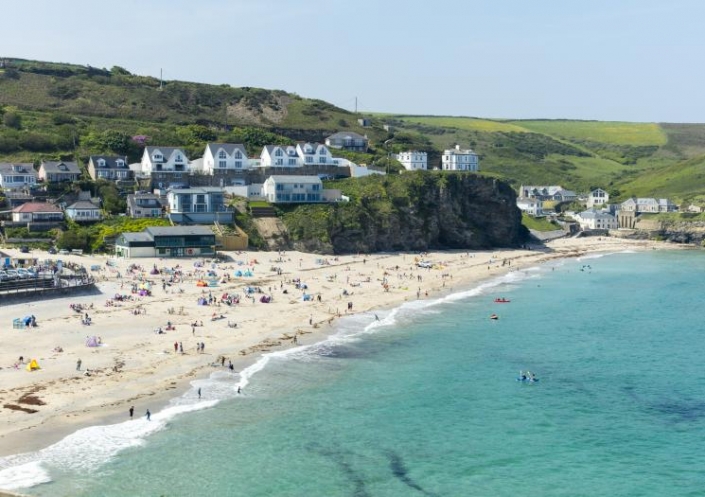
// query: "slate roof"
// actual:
[[166, 152], [83, 204], [27, 168], [110, 161], [229, 148], [341, 135], [56, 167]]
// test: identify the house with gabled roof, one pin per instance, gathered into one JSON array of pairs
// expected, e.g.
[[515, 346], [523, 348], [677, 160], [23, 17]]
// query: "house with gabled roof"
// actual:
[[14, 176], [57, 172], [592, 219], [84, 211], [203, 205], [37, 212], [171, 160], [167, 241], [225, 157], [348, 140], [141, 205], [280, 156], [597, 197], [109, 168], [312, 154]]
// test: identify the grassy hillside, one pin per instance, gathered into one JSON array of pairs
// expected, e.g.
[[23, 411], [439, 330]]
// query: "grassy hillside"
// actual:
[[64, 111]]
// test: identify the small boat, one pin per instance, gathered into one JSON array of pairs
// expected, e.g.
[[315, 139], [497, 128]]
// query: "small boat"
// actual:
[[494, 316], [502, 301]]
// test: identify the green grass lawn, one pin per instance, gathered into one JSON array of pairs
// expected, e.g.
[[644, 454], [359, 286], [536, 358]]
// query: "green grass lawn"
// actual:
[[538, 223], [616, 133], [465, 123]]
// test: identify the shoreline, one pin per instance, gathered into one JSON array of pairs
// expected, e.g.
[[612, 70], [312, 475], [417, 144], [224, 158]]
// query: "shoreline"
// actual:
[[462, 270]]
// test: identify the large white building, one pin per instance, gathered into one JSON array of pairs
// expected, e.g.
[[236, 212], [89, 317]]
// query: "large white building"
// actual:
[[223, 157], [293, 189], [413, 160], [648, 205], [314, 154], [280, 156], [532, 206], [457, 159], [592, 219]]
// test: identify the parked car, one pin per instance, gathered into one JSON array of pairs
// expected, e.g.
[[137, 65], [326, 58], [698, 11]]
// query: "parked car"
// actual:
[[64, 252], [4, 276], [12, 274], [52, 250], [25, 274], [24, 249]]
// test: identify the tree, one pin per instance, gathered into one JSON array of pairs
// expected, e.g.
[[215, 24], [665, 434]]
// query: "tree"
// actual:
[[73, 239], [12, 120]]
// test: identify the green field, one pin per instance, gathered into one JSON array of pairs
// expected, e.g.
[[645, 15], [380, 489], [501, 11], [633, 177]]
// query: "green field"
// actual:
[[464, 123], [615, 133]]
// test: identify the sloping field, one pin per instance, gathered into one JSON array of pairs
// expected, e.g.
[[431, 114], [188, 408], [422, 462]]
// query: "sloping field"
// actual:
[[465, 123], [616, 133]]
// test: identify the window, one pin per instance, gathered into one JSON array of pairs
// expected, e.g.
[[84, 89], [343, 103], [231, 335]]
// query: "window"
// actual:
[[323, 151], [179, 158], [238, 155], [279, 162], [221, 163], [238, 164], [315, 188], [279, 152], [309, 159], [221, 154], [322, 160], [292, 162], [280, 188]]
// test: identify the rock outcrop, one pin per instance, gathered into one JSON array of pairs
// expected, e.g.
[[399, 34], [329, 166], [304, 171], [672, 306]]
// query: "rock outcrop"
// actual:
[[418, 212]]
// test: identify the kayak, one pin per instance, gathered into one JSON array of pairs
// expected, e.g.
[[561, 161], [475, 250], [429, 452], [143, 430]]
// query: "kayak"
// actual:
[[494, 316], [501, 301]]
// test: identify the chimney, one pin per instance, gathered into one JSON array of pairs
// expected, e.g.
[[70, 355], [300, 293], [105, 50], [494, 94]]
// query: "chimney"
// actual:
[[457, 147]]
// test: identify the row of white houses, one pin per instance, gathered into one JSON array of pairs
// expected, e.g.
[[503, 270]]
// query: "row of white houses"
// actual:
[[453, 159]]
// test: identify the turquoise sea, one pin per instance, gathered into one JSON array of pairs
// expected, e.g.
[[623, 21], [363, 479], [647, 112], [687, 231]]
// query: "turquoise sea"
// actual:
[[425, 401]]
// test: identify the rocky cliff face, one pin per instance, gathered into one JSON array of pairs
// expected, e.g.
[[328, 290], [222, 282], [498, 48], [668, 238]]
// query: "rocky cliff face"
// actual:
[[433, 211]]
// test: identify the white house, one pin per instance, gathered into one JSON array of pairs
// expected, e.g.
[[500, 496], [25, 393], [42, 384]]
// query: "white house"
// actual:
[[280, 156], [37, 212], [413, 160], [597, 197], [83, 210], [15, 176], [291, 189], [532, 206], [222, 157], [109, 167], [164, 160], [459, 160], [593, 219], [314, 154], [202, 205]]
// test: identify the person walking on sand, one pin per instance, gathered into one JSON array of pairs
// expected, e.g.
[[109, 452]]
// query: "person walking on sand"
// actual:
[[78, 365], [176, 347], [149, 415], [132, 411], [199, 392]]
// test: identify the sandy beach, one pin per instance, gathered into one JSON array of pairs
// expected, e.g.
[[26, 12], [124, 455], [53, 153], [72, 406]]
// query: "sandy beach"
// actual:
[[136, 366]]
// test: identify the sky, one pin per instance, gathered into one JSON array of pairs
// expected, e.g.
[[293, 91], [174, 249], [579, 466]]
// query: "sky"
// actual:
[[613, 60]]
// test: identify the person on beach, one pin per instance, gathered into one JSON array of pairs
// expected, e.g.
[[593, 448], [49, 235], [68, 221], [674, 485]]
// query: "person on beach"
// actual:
[[199, 392], [148, 415], [132, 411], [78, 365]]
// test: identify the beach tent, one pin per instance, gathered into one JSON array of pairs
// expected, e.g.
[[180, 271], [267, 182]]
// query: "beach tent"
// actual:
[[33, 365], [92, 341]]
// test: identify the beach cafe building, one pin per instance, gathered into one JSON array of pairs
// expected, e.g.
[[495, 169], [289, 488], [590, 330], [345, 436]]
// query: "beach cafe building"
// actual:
[[167, 241]]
